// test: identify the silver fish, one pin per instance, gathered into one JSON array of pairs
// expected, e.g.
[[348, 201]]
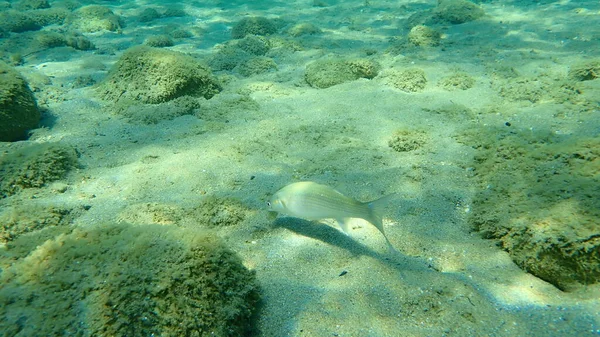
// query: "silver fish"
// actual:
[[311, 201]]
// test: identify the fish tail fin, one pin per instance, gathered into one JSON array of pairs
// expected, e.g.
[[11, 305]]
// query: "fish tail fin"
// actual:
[[376, 208]]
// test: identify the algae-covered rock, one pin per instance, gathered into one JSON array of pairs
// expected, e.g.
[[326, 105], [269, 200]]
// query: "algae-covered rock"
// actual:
[[149, 14], [94, 18], [457, 81], [457, 11], [256, 65], [326, 73], [124, 280], [50, 39], [539, 199], [228, 57], [255, 45], [149, 213], [17, 22], [49, 16], [155, 113], [34, 165], [405, 140], [219, 212], [78, 41], [304, 28], [152, 75], [18, 109], [22, 219], [424, 36], [159, 41], [257, 25], [585, 71], [522, 89], [409, 80], [25, 5]]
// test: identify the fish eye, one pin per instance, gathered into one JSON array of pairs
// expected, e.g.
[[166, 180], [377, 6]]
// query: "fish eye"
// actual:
[[268, 204]]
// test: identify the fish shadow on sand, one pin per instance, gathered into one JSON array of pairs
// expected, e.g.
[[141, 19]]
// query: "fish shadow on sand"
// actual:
[[334, 237]]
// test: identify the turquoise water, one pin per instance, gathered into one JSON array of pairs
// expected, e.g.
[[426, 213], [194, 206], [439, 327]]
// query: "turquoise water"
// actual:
[[141, 141]]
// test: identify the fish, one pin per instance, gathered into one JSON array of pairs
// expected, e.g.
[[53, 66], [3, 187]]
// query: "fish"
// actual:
[[311, 201]]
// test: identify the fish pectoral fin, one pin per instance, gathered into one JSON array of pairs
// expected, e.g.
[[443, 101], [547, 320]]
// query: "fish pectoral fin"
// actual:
[[344, 224]]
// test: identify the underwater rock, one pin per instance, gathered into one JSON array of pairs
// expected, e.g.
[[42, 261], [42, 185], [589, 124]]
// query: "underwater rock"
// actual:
[[219, 212], [304, 28], [154, 113], [94, 18], [34, 165], [256, 65], [409, 80], [18, 109], [424, 36], [125, 280], [49, 39], [539, 200], [17, 22], [522, 89], [457, 81], [29, 43], [151, 213], [174, 12], [22, 219], [151, 75], [78, 41], [255, 45], [257, 25], [25, 5], [48, 16], [159, 41], [407, 140], [326, 73], [228, 57], [149, 14], [454, 111], [585, 71], [457, 11]]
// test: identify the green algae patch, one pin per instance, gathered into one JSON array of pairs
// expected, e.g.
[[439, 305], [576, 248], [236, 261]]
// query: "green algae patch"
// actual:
[[152, 75], [123, 280], [18, 108], [539, 200], [34, 165], [326, 73]]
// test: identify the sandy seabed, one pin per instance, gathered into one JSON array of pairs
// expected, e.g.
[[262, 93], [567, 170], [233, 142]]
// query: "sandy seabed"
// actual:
[[267, 130]]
